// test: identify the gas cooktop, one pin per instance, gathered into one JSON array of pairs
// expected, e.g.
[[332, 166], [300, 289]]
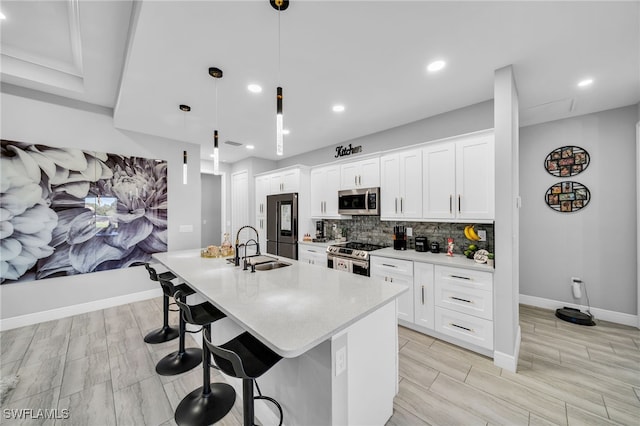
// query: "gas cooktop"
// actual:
[[353, 249]]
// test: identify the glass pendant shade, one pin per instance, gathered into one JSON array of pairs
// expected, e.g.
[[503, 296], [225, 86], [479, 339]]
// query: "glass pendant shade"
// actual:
[[216, 158], [279, 123], [184, 168]]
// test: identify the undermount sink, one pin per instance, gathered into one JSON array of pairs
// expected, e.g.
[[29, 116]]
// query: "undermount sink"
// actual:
[[271, 265]]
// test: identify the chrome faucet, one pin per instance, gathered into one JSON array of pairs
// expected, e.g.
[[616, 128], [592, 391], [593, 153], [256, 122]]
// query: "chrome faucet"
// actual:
[[238, 245]]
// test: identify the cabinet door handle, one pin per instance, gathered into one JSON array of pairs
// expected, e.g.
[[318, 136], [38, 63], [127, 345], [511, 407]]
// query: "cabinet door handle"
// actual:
[[450, 204], [355, 180], [459, 326], [390, 266], [459, 196], [423, 295], [401, 208], [360, 179], [396, 205], [459, 299], [460, 277], [391, 279]]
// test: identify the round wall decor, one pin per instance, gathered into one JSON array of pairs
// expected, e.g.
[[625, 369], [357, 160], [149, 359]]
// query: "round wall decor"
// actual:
[[566, 161], [567, 197]]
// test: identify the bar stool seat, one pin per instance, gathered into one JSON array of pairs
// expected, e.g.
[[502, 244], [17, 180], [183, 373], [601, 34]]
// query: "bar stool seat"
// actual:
[[212, 401], [247, 358], [166, 332], [184, 359]]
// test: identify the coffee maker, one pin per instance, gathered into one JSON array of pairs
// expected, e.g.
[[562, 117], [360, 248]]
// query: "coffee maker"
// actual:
[[320, 233]]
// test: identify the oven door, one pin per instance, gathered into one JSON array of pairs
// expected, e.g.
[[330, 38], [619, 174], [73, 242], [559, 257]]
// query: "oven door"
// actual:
[[360, 267], [343, 264]]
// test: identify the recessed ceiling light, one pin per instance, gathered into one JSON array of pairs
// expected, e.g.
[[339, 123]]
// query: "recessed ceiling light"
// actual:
[[586, 82], [436, 66], [338, 108], [286, 131], [250, 146], [254, 88]]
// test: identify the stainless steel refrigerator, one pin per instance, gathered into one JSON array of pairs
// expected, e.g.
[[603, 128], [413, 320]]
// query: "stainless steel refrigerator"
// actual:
[[282, 225]]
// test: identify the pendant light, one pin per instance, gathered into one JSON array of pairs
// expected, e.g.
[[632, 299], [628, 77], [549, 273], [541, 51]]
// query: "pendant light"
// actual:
[[279, 5], [217, 74], [185, 109]]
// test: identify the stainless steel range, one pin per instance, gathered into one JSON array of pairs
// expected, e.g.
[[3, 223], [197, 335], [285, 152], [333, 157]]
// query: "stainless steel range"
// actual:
[[350, 257]]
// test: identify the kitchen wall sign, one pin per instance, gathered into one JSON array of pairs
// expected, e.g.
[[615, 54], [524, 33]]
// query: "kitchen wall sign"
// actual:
[[566, 161], [67, 211], [567, 197], [343, 151]]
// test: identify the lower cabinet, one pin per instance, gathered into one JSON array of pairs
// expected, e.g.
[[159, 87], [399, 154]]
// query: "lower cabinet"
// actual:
[[397, 271], [312, 255], [423, 300], [452, 303]]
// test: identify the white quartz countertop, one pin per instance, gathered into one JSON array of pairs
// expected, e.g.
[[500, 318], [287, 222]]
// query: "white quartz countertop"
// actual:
[[290, 309], [457, 261], [316, 244]]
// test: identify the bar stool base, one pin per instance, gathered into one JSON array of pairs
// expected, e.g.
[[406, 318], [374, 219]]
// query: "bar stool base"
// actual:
[[161, 335], [176, 363], [198, 409]]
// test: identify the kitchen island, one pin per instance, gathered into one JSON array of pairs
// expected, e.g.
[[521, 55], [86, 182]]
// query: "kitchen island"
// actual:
[[337, 334]]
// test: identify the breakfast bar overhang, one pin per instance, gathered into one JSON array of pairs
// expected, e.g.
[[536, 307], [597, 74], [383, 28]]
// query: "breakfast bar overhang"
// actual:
[[336, 332]]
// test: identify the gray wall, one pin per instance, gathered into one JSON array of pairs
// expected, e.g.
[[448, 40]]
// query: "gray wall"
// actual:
[[597, 243], [464, 120], [33, 121], [211, 213]]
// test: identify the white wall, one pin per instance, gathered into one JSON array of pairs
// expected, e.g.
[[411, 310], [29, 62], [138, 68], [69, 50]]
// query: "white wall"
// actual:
[[33, 121], [597, 243], [457, 122]]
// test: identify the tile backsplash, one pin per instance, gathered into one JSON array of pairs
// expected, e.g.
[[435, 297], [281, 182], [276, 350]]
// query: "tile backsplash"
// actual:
[[371, 229]]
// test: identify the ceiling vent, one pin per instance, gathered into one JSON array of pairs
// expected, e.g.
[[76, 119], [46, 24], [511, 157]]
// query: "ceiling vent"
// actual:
[[547, 111], [232, 143]]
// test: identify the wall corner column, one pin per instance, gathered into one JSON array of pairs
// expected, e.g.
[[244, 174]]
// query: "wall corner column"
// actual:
[[506, 276]]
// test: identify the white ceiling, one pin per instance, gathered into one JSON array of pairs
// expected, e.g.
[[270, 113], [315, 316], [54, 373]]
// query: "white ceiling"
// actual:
[[368, 55]]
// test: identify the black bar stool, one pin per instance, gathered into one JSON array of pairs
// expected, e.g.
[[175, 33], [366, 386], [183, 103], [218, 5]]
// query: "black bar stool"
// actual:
[[210, 402], [184, 359], [166, 332], [246, 358]]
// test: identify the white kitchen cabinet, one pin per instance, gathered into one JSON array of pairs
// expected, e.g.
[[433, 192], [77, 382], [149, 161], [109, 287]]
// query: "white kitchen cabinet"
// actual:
[[458, 179], [360, 174], [312, 255], [397, 271], [401, 185], [262, 190], [325, 183], [423, 295], [464, 304], [285, 181]]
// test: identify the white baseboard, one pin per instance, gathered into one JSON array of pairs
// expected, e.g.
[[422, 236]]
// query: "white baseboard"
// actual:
[[67, 311], [602, 314], [506, 361]]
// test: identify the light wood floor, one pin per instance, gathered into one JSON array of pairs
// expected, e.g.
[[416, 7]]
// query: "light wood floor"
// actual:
[[97, 366]]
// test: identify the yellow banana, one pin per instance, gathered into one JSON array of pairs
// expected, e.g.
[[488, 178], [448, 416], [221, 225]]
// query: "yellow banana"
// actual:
[[466, 232], [472, 233]]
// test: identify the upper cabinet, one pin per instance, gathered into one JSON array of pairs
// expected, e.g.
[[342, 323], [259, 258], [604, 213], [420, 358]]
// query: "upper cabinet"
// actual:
[[324, 186], [458, 179], [360, 174], [401, 185], [285, 181]]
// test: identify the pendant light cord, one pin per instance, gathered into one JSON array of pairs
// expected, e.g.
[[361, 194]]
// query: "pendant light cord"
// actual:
[[279, 45]]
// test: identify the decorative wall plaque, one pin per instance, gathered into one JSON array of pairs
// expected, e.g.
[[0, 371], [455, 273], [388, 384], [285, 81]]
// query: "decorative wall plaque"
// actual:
[[567, 197], [566, 161]]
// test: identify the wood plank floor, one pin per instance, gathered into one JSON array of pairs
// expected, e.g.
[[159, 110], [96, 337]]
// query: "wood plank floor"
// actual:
[[97, 366]]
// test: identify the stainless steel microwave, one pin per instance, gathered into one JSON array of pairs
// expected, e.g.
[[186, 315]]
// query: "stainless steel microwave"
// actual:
[[361, 201]]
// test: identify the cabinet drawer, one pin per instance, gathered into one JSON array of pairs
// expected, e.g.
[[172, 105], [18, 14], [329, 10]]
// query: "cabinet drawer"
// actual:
[[464, 327], [466, 277], [463, 299], [387, 265]]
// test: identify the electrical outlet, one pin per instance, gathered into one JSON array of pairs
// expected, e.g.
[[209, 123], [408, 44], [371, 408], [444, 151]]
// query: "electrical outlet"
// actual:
[[341, 360], [409, 232], [482, 234]]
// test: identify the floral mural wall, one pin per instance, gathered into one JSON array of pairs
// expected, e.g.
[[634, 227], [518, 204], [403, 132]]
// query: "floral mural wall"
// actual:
[[67, 211]]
